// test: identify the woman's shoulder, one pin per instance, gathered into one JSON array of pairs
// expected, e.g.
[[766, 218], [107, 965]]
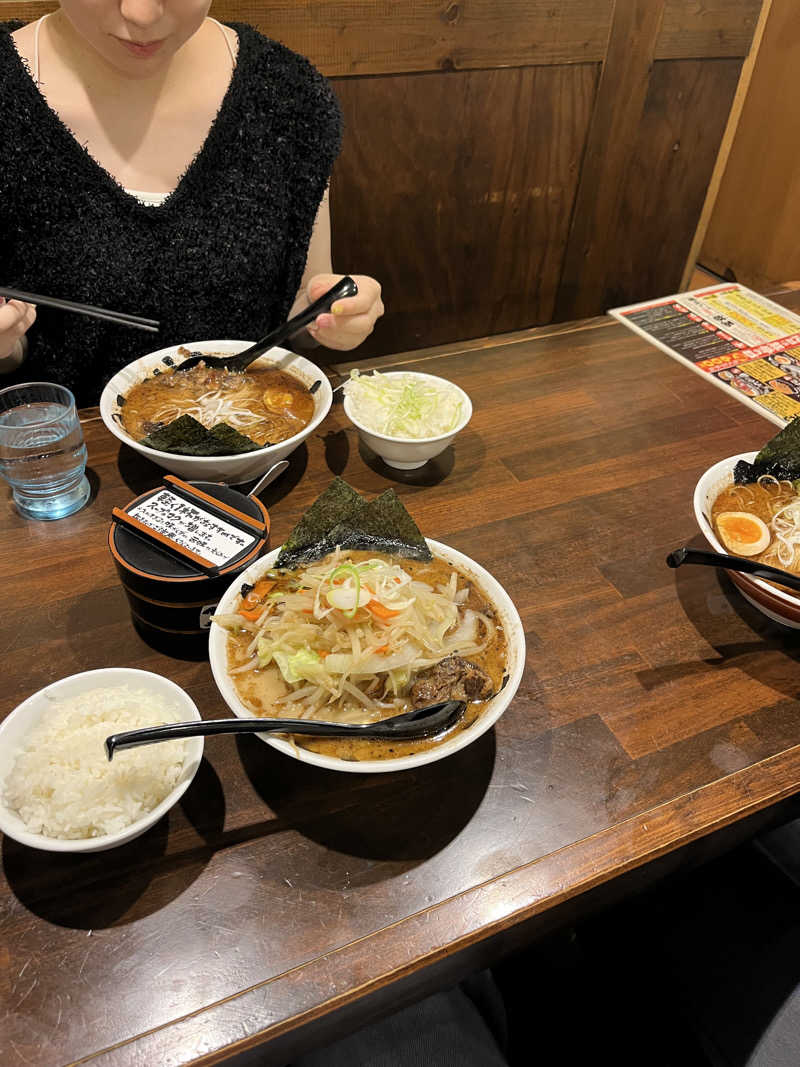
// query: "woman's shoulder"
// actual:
[[281, 65], [11, 48]]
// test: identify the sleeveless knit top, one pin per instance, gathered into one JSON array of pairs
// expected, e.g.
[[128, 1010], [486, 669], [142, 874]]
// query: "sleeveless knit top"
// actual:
[[222, 257]]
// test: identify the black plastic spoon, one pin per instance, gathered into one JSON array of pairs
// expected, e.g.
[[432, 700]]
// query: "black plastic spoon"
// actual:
[[423, 722], [732, 563], [238, 361]]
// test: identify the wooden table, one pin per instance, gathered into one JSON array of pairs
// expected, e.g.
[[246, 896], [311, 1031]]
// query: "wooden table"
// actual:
[[279, 903]]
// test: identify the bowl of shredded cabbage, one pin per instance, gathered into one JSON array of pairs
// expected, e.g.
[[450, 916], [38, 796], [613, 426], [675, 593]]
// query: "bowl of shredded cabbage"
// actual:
[[405, 417]]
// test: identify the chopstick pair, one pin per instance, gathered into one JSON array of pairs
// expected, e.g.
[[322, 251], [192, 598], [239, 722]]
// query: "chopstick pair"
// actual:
[[119, 317]]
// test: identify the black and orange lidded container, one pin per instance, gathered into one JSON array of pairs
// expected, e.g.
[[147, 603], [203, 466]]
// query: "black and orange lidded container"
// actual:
[[177, 548]]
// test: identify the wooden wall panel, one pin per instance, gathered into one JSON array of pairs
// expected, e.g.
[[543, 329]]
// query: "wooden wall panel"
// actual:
[[456, 190], [620, 102], [714, 29], [645, 148], [666, 176], [347, 37], [756, 217]]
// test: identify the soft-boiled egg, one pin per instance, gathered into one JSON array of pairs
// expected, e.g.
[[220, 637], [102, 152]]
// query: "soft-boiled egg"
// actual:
[[742, 534]]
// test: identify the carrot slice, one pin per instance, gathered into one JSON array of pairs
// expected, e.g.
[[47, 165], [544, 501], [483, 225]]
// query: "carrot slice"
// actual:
[[251, 616], [380, 611], [257, 593]]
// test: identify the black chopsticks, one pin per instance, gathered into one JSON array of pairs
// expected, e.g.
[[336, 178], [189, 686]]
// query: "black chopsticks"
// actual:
[[82, 309]]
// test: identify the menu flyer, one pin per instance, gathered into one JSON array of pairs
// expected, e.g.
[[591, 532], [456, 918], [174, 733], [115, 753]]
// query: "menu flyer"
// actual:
[[745, 343]]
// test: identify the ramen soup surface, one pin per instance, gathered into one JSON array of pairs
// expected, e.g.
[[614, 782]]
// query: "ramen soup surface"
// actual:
[[259, 688], [777, 504], [266, 404]]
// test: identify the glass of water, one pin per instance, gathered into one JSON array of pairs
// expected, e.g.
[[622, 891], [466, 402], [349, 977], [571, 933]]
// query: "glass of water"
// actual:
[[42, 453]]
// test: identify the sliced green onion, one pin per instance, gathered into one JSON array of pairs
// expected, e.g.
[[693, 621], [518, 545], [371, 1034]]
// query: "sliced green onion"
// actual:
[[350, 570]]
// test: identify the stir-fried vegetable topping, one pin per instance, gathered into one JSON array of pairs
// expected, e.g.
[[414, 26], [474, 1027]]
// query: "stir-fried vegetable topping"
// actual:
[[354, 634]]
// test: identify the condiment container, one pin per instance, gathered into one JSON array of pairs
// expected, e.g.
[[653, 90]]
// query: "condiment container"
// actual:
[[172, 590]]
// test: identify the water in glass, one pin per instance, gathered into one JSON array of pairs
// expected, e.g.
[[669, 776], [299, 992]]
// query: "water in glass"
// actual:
[[42, 452]]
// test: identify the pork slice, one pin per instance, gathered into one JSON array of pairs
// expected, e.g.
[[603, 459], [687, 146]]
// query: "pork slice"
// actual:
[[452, 678]]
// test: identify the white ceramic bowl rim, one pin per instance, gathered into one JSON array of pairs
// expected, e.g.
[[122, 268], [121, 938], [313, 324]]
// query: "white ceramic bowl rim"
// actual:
[[106, 677], [515, 637], [109, 401], [725, 467], [414, 440]]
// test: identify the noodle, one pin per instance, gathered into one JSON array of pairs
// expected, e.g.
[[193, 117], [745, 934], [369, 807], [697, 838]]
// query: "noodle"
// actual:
[[266, 404]]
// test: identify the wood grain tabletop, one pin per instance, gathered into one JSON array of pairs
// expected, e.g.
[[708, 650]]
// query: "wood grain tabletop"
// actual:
[[657, 707]]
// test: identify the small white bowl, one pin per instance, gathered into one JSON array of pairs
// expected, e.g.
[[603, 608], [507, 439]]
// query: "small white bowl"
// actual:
[[408, 453], [233, 470], [507, 617], [777, 604], [25, 717]]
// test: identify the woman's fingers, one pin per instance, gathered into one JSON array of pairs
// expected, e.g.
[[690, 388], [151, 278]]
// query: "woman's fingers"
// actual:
[[351, 319], [16, 318]]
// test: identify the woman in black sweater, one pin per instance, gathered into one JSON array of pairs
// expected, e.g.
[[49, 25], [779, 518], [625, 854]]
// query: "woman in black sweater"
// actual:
[[158, 162]]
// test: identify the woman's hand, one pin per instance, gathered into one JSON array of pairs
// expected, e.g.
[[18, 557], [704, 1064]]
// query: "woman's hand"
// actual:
[[351, 319], [16, 319]]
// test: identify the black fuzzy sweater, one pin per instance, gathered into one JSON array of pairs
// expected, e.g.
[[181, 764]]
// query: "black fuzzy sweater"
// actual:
[[222, 257]]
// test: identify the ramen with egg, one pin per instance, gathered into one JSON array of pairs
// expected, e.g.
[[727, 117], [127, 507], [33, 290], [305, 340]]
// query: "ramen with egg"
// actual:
[[265, 404], [760, 520]]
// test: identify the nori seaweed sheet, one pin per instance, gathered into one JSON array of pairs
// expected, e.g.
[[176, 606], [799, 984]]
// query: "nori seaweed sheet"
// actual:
[[779, 457], [186, 436], [342, 517]]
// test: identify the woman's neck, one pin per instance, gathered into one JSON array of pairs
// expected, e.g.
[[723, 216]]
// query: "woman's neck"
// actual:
[[144, 130], [99, 75]]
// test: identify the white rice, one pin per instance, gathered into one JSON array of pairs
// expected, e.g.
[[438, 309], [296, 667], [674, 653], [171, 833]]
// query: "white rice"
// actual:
[[62, 783]]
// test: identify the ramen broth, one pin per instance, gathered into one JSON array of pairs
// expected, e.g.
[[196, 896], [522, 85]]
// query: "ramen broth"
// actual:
[[265, 404], [259, 689], [776, 504]]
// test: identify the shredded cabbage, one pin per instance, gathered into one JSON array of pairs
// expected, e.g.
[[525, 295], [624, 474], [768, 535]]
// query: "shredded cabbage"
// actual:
[[404, 405]]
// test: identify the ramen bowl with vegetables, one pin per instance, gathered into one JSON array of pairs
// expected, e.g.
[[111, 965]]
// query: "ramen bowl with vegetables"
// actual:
[[749, 505], [210, 424], [406, 417], [362, 634]]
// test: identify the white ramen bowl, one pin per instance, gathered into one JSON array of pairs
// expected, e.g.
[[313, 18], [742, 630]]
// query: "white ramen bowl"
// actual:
[[233, 470], [32, 711], [777, 604], [409, 453], [507, 617]]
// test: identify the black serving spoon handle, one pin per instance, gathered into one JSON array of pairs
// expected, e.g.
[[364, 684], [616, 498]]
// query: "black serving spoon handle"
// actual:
[[239, 361], [423, 722], [732, 563]]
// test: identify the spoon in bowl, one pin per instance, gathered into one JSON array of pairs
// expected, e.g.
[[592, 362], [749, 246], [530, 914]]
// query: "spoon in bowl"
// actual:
[[733, 563], [422, 722], [238, 361]]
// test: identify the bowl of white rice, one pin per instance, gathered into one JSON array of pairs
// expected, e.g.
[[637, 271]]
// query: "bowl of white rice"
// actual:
[[405, 417], [59, 791]]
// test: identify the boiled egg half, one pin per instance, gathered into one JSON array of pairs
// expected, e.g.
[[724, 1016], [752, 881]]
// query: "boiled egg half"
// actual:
[[742, 534]]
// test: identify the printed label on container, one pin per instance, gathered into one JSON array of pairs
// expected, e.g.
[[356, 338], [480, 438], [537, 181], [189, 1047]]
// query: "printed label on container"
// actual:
[[192, 527]]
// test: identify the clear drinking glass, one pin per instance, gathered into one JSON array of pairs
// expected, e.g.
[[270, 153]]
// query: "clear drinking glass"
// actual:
[[42, 453]]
